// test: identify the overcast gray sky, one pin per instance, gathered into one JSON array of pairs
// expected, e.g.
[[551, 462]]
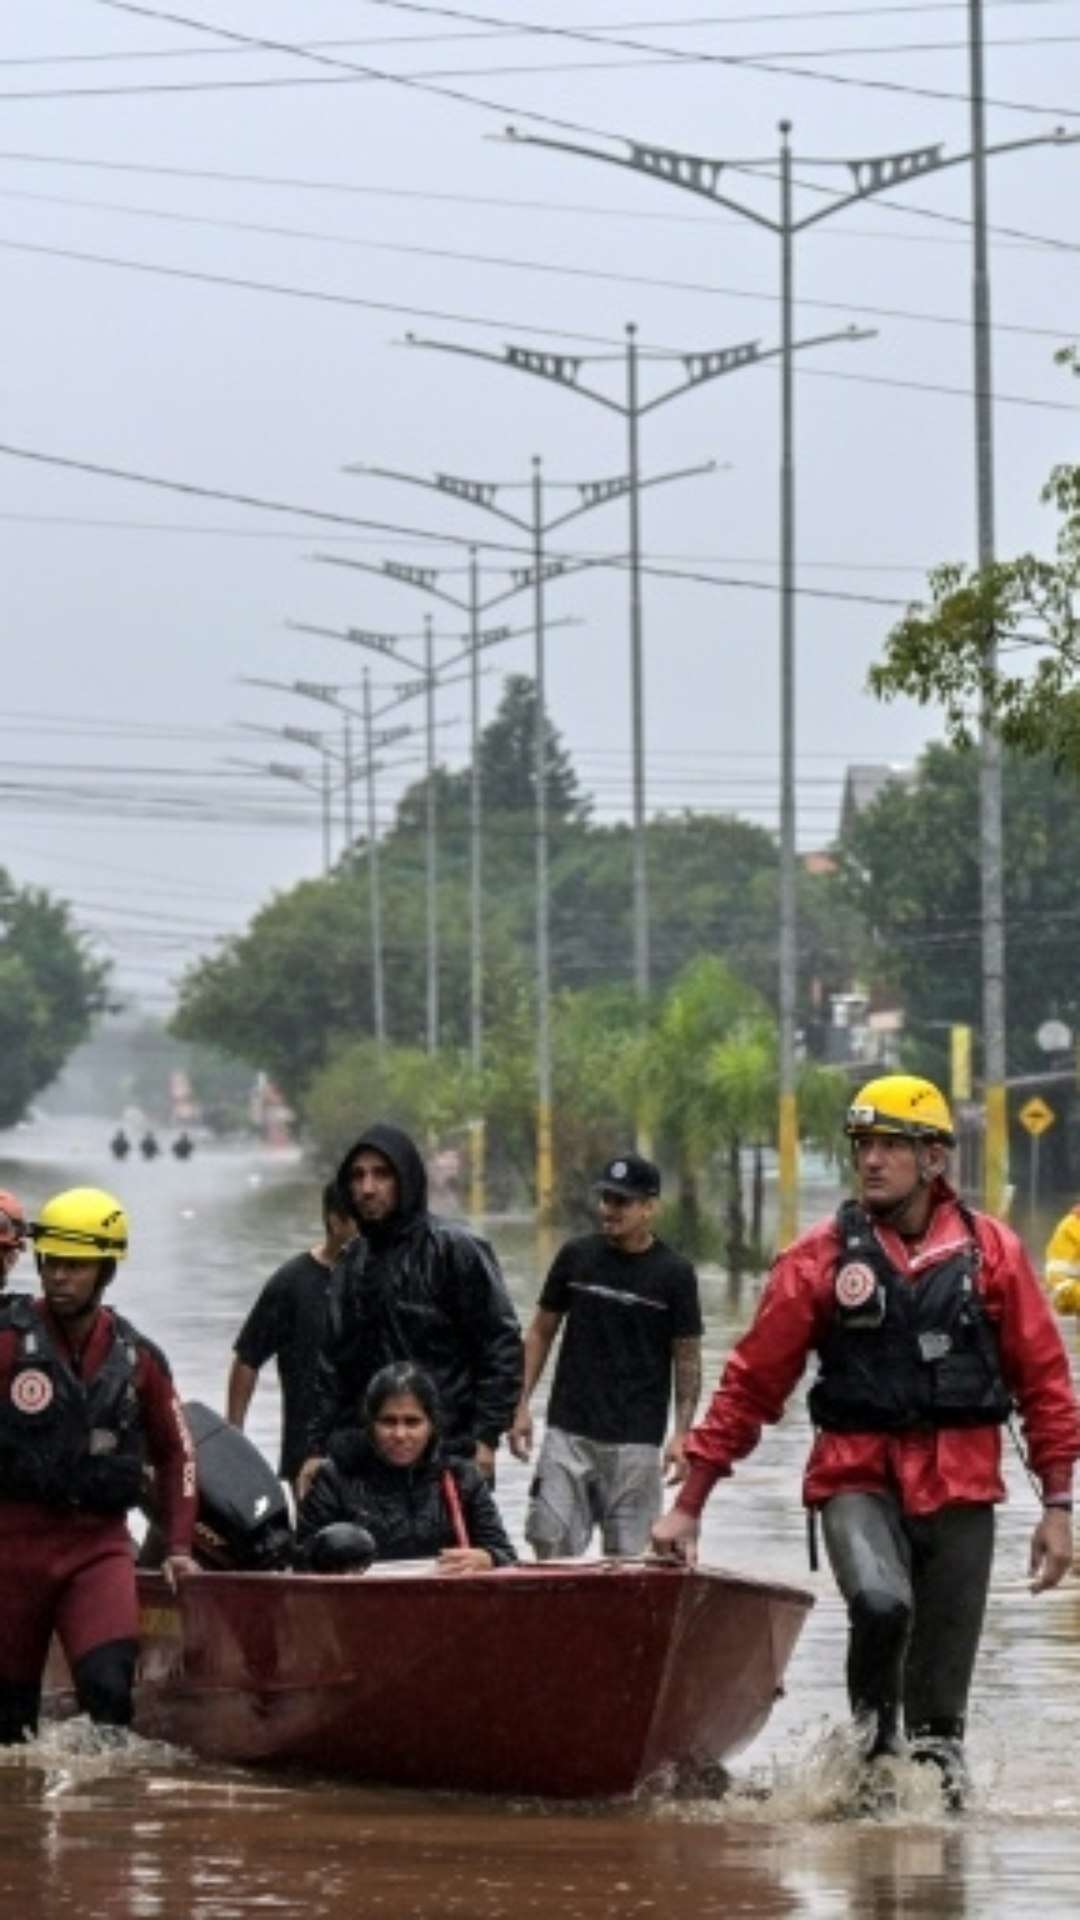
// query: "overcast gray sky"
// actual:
[[355, 209]]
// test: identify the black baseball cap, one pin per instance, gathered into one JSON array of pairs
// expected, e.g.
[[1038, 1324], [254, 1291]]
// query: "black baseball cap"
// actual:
[[629, 1173]]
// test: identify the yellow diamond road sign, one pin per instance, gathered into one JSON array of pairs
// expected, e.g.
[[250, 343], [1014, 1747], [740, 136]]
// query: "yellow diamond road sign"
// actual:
[[1036, 1116]]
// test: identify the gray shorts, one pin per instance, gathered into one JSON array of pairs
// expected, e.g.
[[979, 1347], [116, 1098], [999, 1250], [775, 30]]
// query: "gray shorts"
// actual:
[[581, 1484]]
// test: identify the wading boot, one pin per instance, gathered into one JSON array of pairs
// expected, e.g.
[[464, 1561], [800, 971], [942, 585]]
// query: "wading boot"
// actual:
[[945, 1751]]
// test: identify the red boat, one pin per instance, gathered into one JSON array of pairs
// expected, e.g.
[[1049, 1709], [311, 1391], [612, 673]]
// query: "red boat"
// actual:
[[571, 1680]]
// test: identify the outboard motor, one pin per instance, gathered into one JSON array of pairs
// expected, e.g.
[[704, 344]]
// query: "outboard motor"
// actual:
[[242, 1519], [242, 1522]]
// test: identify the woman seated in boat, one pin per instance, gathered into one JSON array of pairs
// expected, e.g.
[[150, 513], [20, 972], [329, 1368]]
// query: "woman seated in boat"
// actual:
[[393, 1479]]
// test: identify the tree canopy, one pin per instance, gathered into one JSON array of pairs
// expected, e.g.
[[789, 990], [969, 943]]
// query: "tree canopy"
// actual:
[[296, 985], [1028, 682], [50, 989], [910, 869]]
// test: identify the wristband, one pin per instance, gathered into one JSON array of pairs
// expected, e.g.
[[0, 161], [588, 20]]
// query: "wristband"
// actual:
[[1061, 1501]]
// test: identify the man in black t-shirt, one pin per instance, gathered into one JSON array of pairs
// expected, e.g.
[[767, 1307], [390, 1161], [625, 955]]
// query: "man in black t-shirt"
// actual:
[[632, 1330], [288, 1323]]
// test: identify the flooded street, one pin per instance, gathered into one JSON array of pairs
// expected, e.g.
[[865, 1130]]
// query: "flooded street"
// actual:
[[150, 1834]]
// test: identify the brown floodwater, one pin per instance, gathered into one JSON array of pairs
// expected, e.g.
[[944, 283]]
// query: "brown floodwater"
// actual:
[[153, 1834]]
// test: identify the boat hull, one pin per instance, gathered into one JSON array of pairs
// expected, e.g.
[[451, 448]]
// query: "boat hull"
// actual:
[[566, 1681]]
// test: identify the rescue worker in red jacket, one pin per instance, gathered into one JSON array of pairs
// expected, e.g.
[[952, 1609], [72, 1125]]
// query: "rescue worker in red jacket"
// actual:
[[86, 1403], [929, 1325]]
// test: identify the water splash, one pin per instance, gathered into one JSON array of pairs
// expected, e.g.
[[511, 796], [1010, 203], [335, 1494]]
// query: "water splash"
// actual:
[[71, 1753], [825, 1776]]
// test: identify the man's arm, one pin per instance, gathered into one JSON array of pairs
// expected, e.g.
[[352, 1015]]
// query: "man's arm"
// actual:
[[539, 1340], [686, 1369], [241, 1385], [329, 1386], [494, 1337], [172, 1455]]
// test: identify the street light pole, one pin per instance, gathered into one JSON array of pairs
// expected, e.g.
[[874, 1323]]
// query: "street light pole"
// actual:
[[637, 687], [991, 832], [477, 1127], [565, 371], [478, 641], [378, 978], [787, 1116], [431, 851], [307, 737], [545, 1156], [387, 736], [347, 796], [483, 494], [695, 173]]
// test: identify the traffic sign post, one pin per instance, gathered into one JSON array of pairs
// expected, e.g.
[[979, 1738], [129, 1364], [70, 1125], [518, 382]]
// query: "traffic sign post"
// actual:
[[1035, 1116]]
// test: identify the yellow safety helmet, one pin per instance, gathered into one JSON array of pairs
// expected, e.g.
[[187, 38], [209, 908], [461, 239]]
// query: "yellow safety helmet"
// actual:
[[901, 1103], [84, 1223]]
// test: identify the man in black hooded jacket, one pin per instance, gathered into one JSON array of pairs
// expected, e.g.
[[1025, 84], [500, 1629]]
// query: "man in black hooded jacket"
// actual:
[[413, 1287]]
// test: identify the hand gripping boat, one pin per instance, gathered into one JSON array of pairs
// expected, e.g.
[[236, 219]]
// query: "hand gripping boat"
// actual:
[[573, 1679]]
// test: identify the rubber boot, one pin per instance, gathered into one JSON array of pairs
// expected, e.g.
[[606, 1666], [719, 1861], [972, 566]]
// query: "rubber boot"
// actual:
[[879, 1625], [19, 1709], [940, 1744], [105, 1682]]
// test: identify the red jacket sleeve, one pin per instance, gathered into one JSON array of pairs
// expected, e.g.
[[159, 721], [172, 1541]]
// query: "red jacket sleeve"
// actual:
[[760, 1375], [169, 1448], [1033, 1356]]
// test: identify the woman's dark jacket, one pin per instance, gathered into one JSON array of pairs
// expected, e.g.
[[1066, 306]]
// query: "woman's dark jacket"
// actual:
[[403, 1508], [418, 1288]]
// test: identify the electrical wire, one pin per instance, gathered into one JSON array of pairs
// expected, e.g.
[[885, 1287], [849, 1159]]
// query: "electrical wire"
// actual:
[[341, 67], [246, 285], [1015, 238], [665, 283], [428, 80], [510, 32], [191, 488], [689, 57]]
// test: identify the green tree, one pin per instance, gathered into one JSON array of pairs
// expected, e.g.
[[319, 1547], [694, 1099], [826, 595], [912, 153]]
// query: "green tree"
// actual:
[[50, 990], [910, 866], [1030, 686]]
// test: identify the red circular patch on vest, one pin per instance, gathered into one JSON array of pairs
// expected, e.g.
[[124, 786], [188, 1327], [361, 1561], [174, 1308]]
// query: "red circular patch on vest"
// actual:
[[31, 1392], [855, 1284]]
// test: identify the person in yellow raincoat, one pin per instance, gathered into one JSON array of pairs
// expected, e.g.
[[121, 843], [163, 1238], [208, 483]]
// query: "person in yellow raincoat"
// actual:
[[1062, 1264]]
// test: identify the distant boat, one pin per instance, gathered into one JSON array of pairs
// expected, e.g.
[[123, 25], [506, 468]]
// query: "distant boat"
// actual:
[[571, 1680]]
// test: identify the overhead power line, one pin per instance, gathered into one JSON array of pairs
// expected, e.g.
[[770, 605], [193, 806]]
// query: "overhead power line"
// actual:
[[245, 285], [509, 31], [99, 470], [519, 204], [434, 81], [691, 57], [665, 283]]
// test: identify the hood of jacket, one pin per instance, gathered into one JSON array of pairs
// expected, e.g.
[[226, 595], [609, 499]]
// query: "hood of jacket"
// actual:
[[404, 1156]]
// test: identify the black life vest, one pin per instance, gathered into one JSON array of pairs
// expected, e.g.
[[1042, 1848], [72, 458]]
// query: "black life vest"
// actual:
[[902, 1353], [67, 1442]]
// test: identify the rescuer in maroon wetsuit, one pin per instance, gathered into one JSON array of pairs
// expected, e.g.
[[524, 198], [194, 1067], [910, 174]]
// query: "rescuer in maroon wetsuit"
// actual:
[[86, 1404]]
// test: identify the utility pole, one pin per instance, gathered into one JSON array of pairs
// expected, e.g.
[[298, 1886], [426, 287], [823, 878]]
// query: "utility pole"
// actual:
[[281, 770], [331, 696], [306, 737], [705, 176], [484, 494], [478, 1125], [378, 976], [991, 830], [431, 851], [426, 580], [565, 371]]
